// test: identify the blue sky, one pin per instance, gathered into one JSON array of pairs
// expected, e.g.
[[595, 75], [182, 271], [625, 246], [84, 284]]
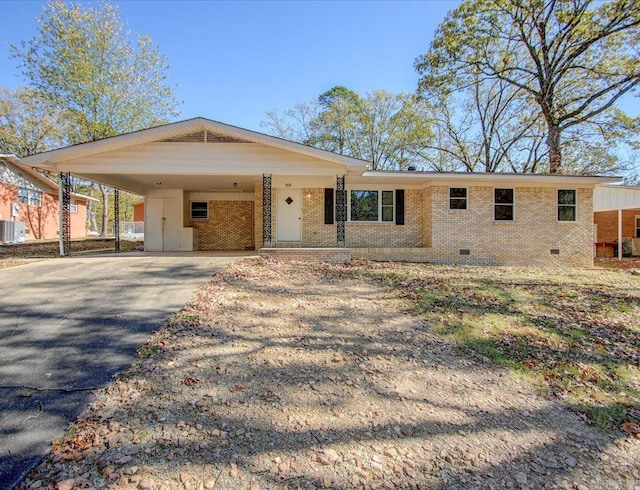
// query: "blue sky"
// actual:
[[232, 61]]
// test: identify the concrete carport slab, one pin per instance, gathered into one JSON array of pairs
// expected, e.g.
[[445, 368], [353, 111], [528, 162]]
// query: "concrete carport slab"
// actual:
[[67, 326]]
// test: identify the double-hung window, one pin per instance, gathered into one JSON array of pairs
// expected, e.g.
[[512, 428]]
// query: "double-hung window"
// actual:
[[457, 198], [29, 196], [503, 206], [371, 206], [567, 205], [73, 206]]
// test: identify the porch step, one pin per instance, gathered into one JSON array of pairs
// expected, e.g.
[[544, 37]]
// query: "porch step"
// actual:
[[288, 244], [333, 255]]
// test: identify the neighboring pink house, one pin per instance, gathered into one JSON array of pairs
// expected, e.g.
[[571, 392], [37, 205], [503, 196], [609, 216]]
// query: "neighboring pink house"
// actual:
[[28, 196]]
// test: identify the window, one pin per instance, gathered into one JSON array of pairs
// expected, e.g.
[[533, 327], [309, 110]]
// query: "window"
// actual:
[[73, 206], [457, 198], [637, 226], [23, 195], [199, 210], [371, 206], [503, 205], [566, 205], [28, 196]]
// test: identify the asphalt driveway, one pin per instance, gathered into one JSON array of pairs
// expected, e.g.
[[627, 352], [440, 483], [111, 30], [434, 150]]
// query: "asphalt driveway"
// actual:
[[66, 327]]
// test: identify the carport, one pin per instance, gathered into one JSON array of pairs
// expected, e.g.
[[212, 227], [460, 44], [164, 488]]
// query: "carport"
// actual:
[[617, 214], [206, 185]]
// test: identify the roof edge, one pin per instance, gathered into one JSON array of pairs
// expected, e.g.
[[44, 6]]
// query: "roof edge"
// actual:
[[195, 123]]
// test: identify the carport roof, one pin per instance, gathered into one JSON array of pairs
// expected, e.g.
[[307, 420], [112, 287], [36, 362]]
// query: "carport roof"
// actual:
[[48, 159]]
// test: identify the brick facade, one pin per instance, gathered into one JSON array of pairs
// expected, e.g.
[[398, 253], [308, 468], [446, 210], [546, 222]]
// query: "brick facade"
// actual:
[[229, 226], [434, 233], [528, 240]]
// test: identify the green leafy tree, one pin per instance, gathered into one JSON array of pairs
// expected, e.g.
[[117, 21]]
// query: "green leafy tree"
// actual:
[[573, 58], [86, 63], [388, 130], [28, 123]]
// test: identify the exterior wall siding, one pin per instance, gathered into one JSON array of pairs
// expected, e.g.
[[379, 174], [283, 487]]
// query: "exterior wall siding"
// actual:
[[229, 226], [607, 222]]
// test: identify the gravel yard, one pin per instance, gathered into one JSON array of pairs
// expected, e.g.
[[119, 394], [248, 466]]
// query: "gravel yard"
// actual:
[[282, 375]]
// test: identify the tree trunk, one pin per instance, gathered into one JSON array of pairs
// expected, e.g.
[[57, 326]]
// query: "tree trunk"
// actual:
[[105, 211], [553, 143]]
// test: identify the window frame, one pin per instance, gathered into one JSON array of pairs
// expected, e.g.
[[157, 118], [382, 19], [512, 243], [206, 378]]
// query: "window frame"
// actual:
[[512, 204], [206, 210], [73, 205], [637, 225], [30, 197], [466, 199], [574, 206], [380, 206]]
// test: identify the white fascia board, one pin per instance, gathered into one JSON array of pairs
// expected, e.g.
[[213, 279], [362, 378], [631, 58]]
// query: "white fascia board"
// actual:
[[48, 159], [446, 178]]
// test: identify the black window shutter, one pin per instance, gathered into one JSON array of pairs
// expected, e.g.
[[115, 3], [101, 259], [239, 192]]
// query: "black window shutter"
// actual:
[[328, 206], [399, 206]]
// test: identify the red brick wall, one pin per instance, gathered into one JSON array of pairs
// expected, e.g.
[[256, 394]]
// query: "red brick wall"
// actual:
[[607, 222]]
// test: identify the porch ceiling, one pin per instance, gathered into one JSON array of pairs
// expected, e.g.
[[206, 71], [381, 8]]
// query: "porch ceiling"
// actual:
[[142, 184]]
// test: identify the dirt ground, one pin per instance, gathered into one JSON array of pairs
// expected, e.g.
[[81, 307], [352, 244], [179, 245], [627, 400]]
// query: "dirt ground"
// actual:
[[284, 375]]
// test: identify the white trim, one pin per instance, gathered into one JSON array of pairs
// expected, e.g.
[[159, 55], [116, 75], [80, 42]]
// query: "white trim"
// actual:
[[575, 206], [490, 179], [513, 205], [379, 220], [49, 159], [466, 198], [191, 203]]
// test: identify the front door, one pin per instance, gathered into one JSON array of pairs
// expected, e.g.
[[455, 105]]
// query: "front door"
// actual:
[[289, 215]]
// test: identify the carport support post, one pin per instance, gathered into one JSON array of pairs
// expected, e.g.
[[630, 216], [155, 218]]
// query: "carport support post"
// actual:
[[116, 218], [620, 234], [64, 199], [341, 211], [266, 210]]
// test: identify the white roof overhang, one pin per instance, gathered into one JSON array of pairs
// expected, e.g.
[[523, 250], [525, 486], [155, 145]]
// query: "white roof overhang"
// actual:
[[425, 179], [614, 197], [49, 159]]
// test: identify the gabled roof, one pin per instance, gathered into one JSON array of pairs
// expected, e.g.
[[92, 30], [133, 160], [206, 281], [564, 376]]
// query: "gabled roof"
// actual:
[[40, 181], [177, 129]]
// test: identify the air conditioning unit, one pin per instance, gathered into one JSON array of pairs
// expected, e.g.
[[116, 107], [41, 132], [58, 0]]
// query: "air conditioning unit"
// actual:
[[12, 232]]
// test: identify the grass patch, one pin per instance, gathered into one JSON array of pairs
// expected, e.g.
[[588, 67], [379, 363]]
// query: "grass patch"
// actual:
[[52, 248], [575, 334]]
